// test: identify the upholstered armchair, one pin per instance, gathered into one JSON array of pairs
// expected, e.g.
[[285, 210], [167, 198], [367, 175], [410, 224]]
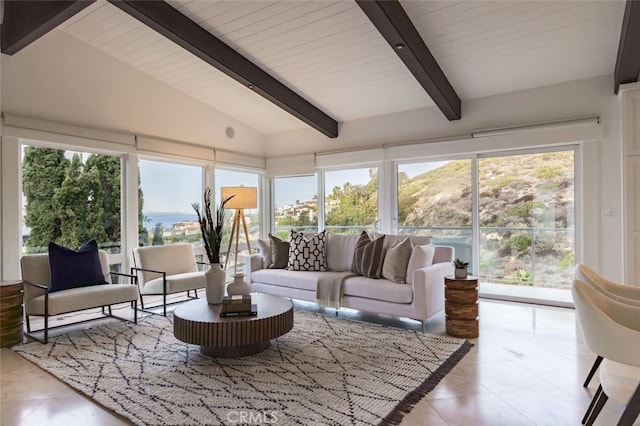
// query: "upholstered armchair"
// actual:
[[40, 300], [627, 294], [612, 330], [166, 269]]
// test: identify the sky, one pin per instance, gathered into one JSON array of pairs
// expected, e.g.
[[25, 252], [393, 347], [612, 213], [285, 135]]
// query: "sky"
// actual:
[[170, 187]]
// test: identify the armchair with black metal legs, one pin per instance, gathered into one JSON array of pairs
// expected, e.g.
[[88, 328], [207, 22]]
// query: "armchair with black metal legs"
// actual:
[[622, 293], [164, 270], [41, 301], [612, 330]]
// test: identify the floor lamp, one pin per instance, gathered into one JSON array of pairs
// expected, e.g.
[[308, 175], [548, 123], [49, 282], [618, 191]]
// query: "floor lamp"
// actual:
[[244, 197]]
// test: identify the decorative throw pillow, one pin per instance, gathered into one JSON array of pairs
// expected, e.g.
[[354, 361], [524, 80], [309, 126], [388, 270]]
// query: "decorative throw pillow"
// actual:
[[71, 269], [396, 260], [307, 254], [368, 256], [265, 252], [279, 253], [420, 257]]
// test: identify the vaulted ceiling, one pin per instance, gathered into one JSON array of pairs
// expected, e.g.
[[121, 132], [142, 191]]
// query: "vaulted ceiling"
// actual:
[[284, 65]]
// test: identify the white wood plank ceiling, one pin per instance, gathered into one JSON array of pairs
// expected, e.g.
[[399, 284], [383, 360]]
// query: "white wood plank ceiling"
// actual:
[[331, 54]]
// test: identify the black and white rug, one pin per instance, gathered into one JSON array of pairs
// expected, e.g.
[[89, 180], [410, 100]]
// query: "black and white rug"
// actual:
[[326, 370]]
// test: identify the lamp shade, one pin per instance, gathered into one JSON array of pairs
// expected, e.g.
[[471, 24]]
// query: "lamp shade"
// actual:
[[245, 197]]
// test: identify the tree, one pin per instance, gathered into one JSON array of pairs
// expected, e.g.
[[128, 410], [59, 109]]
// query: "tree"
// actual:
[[43, 171], [157, 235], [109, 177], [79, 205]]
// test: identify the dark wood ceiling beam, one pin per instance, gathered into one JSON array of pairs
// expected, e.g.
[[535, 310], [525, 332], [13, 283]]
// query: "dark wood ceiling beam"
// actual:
[[392, 22], [172, 24], [26, 21], [628, 61]]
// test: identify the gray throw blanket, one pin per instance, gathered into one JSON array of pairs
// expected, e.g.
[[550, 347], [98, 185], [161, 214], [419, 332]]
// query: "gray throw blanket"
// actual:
[[329, 290]]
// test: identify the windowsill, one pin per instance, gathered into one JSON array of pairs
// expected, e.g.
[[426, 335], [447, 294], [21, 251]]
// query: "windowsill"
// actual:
[[535, 295]]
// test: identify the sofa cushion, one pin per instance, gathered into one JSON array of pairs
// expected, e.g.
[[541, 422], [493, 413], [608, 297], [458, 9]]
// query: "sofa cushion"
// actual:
[[421, 256], [395, 263], [304, 280], [384, 290], [368, 256], [279, 253], [72, 269], [307, 254], [78, 299], [175, 283], [339, 250]]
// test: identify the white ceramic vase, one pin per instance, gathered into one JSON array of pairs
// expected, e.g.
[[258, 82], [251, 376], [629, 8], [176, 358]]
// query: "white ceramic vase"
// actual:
[[238, 286], [214, 283]]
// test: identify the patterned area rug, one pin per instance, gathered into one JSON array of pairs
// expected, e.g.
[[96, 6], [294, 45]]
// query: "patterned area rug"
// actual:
[[326, 370]]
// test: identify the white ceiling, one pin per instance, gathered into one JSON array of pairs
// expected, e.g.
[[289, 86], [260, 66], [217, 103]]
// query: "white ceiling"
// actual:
[[330, 53]]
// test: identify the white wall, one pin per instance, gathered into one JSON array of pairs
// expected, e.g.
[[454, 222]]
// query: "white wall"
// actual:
[[602, 161], [59, 78]]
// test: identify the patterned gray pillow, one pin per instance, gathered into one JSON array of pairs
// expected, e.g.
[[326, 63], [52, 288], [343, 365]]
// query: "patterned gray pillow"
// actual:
[[368, 256], [279, 253], [307, 254], [396, 260]]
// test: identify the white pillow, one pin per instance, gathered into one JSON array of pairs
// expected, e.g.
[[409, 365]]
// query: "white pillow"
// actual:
[[421, 256]]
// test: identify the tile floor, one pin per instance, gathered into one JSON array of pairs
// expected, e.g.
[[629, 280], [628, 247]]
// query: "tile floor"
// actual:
[[526, 368]]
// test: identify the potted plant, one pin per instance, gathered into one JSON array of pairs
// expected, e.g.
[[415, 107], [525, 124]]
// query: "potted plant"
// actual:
[[215, 277], [461, 268]]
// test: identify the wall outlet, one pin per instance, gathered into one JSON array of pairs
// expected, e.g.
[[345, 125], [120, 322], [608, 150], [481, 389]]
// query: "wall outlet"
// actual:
[[609, 212]]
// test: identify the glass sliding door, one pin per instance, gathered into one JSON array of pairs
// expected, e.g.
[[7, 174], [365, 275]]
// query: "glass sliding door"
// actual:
[[434, 198], [296, 205], [351, 200], [527, 219]]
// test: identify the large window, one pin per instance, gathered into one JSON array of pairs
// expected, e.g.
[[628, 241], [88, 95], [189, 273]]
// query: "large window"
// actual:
[[166, 193], [70, 198], [434, 198], [225, 177], [296, 205], [527, 219], [351, 200]]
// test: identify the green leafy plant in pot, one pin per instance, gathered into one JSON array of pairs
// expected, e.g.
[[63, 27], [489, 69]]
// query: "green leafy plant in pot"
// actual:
[[215, 277], [460, 268]]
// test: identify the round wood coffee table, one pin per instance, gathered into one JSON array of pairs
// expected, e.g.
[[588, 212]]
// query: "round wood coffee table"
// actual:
[[199, 323]]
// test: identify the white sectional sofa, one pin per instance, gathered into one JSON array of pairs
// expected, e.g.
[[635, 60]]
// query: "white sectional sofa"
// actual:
[[420, 298]]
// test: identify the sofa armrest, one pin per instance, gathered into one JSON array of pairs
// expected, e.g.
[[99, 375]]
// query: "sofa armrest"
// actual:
[[40, 286], [428, 288], [133, 278], [443, 254], [253, 263]]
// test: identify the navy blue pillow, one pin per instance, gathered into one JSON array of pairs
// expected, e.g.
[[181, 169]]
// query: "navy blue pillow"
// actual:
[[71, 269]]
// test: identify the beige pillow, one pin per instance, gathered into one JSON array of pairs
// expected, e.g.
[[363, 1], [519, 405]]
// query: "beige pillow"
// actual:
[[421, 256], [265, 252], [396, 261]]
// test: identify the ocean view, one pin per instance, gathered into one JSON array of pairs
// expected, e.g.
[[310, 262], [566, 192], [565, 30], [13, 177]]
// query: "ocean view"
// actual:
[[167, 219]]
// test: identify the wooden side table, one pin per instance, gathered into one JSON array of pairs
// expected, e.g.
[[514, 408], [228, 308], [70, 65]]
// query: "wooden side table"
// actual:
[[461, 306], [10, 313]]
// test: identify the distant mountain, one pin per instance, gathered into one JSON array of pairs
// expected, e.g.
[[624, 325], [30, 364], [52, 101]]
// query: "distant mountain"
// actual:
[[515, 191]]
